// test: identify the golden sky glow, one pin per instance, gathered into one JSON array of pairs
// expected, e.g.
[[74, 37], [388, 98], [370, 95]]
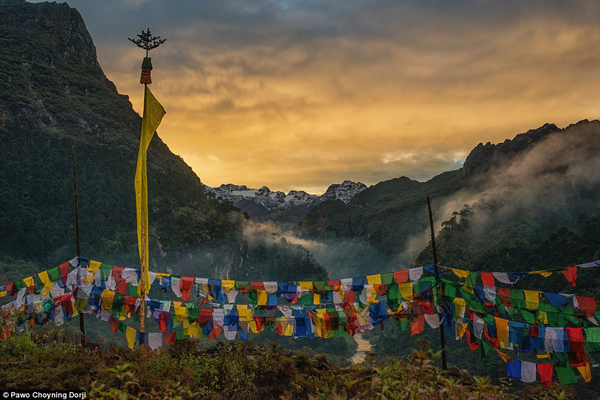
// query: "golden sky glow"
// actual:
[[302, 94]]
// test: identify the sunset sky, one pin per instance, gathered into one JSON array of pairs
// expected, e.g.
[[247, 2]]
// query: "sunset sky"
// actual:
[[302, 94]]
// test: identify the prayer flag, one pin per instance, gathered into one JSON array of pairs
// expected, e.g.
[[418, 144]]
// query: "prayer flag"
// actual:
[[545, 371], [153, 114], [131, 335], [571, 274], [528, 371]]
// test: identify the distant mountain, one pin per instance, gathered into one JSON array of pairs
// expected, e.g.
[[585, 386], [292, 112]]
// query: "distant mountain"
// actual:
[[263, 204], [547, 174], [53, 96]]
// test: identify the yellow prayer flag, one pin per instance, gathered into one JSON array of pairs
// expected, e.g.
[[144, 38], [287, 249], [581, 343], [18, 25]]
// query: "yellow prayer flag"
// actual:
[[371, 296], [180, 312], [461, 327], [244, 313], [194, 330], [543, 273], [29, 281], [461, 273], [532, 299], [153, 114], [131, 335], [502, 332], [585, 372], [227, 285], [543, 354], [316, 298], [288, 329], [94, 266], [460, 306], [262, 297], [2, 294], [406, 291], [45, 278], [374, 279], [505, 357], [305, 285], [107, 299], [542, 318]]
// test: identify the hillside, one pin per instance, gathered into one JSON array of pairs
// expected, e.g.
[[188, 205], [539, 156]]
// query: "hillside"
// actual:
[[391, 216], [53, 96]]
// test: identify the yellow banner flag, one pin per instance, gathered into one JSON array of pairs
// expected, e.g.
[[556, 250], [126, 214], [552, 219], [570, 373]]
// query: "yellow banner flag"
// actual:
[[153, 114], [131, 335]]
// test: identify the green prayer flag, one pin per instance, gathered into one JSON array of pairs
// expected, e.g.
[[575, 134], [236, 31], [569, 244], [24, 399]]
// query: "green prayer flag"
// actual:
[[403, 324], [393, 292], [193, 314], [566, 375], [484, 349], [387, 278], [133, 290], [528, 316], [306, 299], [38, 288], [517, 298], [54, 274], [592, 343]]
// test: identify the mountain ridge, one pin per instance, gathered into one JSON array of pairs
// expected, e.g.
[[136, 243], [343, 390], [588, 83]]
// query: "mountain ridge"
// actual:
[[263, 204], [392, 216]]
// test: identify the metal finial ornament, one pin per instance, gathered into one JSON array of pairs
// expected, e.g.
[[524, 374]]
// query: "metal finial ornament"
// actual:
[[147, 42]]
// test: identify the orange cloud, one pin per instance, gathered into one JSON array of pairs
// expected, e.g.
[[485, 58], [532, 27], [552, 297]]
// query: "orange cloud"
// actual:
[[396, 91]]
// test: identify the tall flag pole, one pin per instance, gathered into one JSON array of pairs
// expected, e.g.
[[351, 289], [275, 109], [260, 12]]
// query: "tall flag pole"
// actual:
[[439, 288], [152, 116], [78, 241]]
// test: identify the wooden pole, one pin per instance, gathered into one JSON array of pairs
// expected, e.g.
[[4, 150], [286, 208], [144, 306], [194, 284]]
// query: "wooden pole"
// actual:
[[439, 287], [143, 261], [81, 321]]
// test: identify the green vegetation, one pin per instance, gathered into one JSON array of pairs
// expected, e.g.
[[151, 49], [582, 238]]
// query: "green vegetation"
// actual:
[[232, 370]]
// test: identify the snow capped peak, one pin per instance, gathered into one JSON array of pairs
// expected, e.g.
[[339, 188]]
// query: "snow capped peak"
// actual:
[[246, 199], [344, 191]]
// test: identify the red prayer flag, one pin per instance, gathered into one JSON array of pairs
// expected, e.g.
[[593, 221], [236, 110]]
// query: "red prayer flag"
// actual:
[[577, 356], [534, 331], [587, 305], [349, 299], [64, 271], [117, 276], [11, 288], [185, 285], [472, 344], [417, 325], [488, 279], [571, 274], [381, 289], [163, 320], [545, 371], [401, 276], [169, 337], [504, 294], [216, 331], [114, 324], [205, 316]]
